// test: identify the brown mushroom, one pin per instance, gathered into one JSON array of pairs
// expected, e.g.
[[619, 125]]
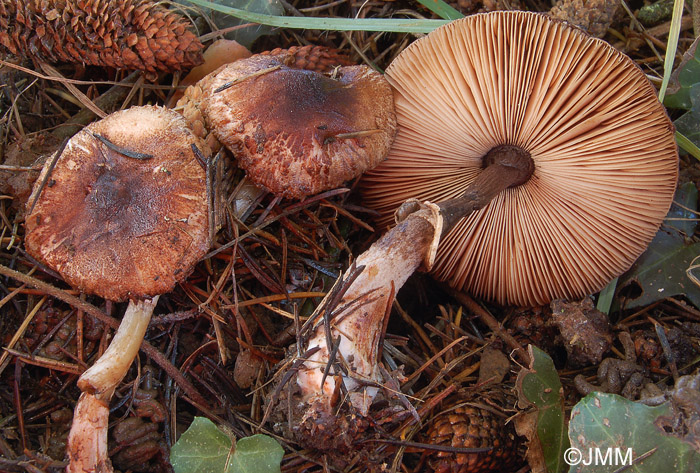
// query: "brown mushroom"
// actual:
[[491, 116], [298, 132], [603, 150], [122, 213]]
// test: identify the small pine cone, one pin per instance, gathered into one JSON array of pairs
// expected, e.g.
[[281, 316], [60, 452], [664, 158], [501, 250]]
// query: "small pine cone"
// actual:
[[469, 426], [311, 57], [129, 34]]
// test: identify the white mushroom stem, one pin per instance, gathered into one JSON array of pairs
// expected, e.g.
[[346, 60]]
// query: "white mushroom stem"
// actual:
[[387, 265], [87, 441], [104, 375]]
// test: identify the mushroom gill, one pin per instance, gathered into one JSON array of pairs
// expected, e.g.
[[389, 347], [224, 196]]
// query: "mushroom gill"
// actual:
[[605, 159]]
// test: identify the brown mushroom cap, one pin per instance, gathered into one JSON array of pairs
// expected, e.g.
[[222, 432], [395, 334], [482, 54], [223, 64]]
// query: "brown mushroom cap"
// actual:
[[605, 158], [297, 132], [118, 226]]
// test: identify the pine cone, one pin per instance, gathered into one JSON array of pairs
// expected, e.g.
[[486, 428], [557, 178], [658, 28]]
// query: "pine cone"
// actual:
[[471, 426], [311, 57], [129, 34]]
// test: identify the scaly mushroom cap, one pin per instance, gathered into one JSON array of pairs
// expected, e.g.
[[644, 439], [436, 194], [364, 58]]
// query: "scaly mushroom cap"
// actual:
[[311, 57], [605, 158], [297, 132], [118, 226]]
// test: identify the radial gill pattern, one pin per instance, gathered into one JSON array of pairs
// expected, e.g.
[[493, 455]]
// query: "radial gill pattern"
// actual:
[[604, 151]]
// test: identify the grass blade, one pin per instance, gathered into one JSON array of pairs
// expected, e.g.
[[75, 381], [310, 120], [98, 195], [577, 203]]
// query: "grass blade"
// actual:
[[442, 9], [687, 145], [672, 45], [606, 296], [393, 25]]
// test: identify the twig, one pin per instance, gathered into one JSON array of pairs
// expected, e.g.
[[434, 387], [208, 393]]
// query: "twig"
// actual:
[[490, 322], [20, 331], [84, 100], [45, 362], [107, 101], [90, 309], [430, 446]]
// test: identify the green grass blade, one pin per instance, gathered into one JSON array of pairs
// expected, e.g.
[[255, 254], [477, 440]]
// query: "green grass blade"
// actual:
[[393, 25], [687, 145], [442, 9], [671, 45]]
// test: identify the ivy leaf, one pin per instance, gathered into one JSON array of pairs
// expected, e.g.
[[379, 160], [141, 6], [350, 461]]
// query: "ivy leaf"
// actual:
[[539, 388], [603, 421], [684, 79], [661, 271], [245, 35], [256, 454], [204, 448]]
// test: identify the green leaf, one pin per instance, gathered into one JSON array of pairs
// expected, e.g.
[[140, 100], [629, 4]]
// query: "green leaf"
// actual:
[[539, 386], [688, 125], [201, 448], [256, 454], [661, 270], [204, 448], [394, 25], [601, 421], [683, 216], [606, 297]]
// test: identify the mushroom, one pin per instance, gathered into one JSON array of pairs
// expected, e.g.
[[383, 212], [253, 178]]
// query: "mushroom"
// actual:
[[357, 322], [295, 131], [602, 148], [529, 120], [121, 212]]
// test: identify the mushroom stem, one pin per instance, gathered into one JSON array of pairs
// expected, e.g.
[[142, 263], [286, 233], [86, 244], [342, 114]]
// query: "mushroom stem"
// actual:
[[348, 355], [387, 265], [506, 166], [87, 441], [103, 376]]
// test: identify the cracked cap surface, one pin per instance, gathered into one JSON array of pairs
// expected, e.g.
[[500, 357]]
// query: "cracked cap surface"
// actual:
[[117, 226]]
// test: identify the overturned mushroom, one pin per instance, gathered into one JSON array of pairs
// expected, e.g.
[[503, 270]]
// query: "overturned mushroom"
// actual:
[[551, 144], [604, 158], [295, 131], [122, 212]]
